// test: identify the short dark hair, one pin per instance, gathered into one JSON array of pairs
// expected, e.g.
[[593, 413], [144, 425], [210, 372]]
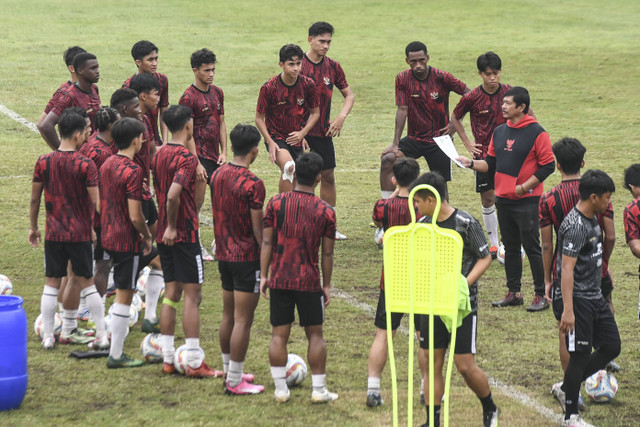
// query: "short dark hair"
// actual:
[[489, 60], [632, 176], [433, 179], [71, 122], [243, 139], [406, 170], [71, 53], [596, 182], [320, 28], [144, 83], [121, 96], [81, 59], [415, 47], [142, 49], [176, 117], [125, 131], [202, 56], [290, 51], [520, 96], [569, 154], [104, 117], [308, 167]]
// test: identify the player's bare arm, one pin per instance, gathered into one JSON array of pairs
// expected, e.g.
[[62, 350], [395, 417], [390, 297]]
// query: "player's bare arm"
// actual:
[[257, 224], [137, 219], [34, 209], [450, 129], [547, 258], [401, 119], [471, 146], [524, 188], [327, 267], [568, 319], [173, 204], [609, 237], [164, 130], [478, 269], [262, 127], [296, 138], [634, 245], [265, 259], [201, 172], [222, 158], [478, 165], [335, 126], [48, 130]]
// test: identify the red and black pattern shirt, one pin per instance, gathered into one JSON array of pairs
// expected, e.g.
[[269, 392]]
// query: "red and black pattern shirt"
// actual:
[[299, 221], [286, 107], [174, 163], [64, 88], [164, 102], [206, 107], [632, 220], [65, 176], [236, 191], [99, 151], [326, 74], [486, 114], [427, 100], [143, 157], [120, 181], [75, 97]]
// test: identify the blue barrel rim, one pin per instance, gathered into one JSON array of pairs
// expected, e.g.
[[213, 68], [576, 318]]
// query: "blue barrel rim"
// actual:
[[8, 302]]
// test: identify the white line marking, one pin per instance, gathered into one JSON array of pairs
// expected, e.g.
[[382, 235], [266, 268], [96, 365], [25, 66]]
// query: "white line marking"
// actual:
[[18, 118], [15, 177]]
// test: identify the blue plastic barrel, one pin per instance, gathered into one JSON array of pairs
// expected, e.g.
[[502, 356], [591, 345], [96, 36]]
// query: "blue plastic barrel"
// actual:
[[13, 352]]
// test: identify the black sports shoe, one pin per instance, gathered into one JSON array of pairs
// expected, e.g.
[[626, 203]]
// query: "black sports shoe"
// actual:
[[539, 303], [490, 419], [373, 400], [509, 299]]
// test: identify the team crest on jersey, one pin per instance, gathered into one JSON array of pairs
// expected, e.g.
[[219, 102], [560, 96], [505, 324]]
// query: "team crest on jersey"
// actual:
[[327, 81], [300, 101], [434, 95], [510, 143], [218, 106]]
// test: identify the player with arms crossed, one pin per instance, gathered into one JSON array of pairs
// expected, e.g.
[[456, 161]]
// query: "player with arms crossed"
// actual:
[[237, 200], [585, 317], [475, 261], [284, 103], [326, 73], [296, 225]]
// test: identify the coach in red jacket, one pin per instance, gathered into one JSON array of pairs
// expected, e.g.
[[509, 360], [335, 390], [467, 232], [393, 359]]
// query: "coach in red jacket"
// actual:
[[520, 156]]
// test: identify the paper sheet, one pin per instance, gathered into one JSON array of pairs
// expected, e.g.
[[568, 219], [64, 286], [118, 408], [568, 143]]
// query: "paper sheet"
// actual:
[[446, 145]]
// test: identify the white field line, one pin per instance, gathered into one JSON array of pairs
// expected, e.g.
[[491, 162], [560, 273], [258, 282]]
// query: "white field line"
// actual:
[[18, 118]]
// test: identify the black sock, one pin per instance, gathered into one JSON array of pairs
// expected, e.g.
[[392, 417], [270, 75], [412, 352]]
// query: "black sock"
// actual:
[[572, 378], [436, 415], [487, 404]]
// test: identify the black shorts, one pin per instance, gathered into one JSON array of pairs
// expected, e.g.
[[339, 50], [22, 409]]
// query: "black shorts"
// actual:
[[435, 157], [99, 254], [128, 265], [58, 254], [484, 182], [149, 211], [210, 166], [181, 262], [381, 316], [595, 326], [465, 334], [324, 147], [294, 151], [283, 302], [606, 285], [240, 276]]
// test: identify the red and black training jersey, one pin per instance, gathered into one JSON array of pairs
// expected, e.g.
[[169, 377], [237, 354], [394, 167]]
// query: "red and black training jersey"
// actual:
[[65, 176], [236, 191], [75, 97], [299, 221], [164, 102], [174, 163], [286, 107], [391, 212], [632, 220], [64, 88], [120, 181], [99, 151], [206, 107], [428, 101], [143, 157], [326, 74], [486, 114]]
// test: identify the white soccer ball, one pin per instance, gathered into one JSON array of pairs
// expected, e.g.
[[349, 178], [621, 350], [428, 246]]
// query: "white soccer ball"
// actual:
[[39, 324], [151, 348], [6, 287], [296, 370], [180, 358], [500, 256], [137, 303], [601, 387], [378, 236], [141, 286], [133, 314]]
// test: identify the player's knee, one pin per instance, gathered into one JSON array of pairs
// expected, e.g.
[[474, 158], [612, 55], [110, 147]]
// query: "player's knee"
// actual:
[[387, 160], [328, 177]]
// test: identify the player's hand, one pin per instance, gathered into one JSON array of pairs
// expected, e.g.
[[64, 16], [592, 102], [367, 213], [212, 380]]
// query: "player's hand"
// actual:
[[465, 161], [295, 138], [473, 147], [34, 237], [305, 145], [335, 127], [327, 295], [519, 191], [393, 148], [547, 291], [170, 235], [264, 287], [567, 322], [222, 158], [201, 173], [148, 244], [273, 151], [448, 130], [145, 185]]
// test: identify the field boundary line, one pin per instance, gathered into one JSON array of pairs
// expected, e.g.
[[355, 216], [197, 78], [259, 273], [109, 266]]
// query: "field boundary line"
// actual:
[[18, 118]]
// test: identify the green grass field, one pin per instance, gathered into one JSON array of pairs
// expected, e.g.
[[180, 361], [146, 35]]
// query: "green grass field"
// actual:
[[578, 59]]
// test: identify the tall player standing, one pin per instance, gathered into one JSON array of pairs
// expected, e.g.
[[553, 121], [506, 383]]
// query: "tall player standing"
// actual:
[[326, 73]]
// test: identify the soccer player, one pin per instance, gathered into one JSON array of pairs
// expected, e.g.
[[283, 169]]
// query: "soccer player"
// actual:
[[484, 104], [206, 102], [296, 225], [125, 234], [422, 97], [70, 184], [632, 211], [585, 317], [476, 259], [237, 200], [284, 103], [145, 55], [174, 177], [67, 56], [389, 213], [520, 155], [326, 73], [83, 93]]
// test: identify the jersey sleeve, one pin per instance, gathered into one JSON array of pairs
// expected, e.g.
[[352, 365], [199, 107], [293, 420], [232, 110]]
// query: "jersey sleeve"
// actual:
[[330, 228], [134, 184], [573, 240], [631, 226], [257, 195], [378, 211], [186, 169], [185, 100], [311, 94], [91, 179], [61, 103], [221, 95], [609, 212], [341, 79], [269, 215], [464, 106], [544, 214], [263, 99], [38, 173], [476, 240], [453, 84], [164, 96], [402, 98]]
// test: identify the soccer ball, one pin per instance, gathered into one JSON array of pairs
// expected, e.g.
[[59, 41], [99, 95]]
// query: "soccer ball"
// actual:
[[601, 387], [6, 288], [142, 281], [151, 348], [500, 255], [133, 314], [137, 303], [39, 324], [180, 358], [378, 236], [296, 370]]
